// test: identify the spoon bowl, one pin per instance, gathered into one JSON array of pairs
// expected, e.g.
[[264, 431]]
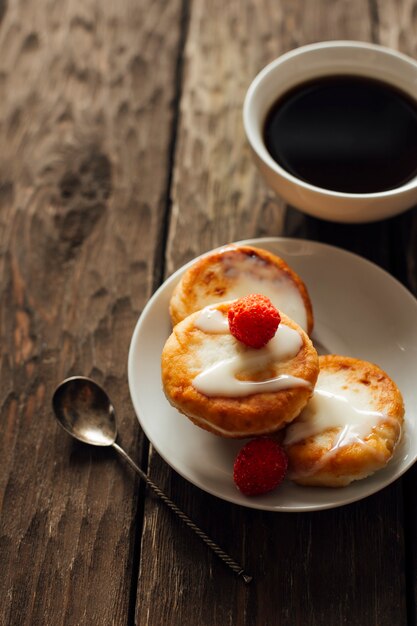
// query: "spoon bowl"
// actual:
[[85, 411]]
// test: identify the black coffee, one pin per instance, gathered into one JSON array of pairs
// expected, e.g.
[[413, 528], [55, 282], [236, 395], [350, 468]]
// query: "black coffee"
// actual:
[[345, 133]]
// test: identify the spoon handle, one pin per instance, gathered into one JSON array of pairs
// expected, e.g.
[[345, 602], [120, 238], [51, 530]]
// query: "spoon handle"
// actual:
[[170, 504]]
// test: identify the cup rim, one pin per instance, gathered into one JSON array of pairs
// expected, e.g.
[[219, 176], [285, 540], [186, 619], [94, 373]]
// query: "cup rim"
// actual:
[[267, 158]]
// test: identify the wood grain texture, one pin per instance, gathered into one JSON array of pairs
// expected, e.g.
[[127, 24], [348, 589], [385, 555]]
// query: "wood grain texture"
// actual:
[[86, 94], [217, 193], [343, 566], [397, 27]]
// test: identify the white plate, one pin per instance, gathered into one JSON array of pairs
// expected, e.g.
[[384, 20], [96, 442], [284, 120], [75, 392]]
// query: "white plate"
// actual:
[[360, 311]]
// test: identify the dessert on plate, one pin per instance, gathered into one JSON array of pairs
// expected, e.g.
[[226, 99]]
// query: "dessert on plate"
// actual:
[[235, 271], [233, 389], [350, 427], [239, 368]]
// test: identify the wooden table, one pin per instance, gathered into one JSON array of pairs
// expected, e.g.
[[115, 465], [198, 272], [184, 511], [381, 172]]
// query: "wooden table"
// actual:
[[122, 157]]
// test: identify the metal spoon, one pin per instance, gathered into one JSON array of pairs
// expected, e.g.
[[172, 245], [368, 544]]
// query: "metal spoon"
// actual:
[[84, 410]]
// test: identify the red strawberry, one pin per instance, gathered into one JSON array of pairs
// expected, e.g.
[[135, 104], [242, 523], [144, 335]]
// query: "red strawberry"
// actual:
[[253, 320], [260, 466]]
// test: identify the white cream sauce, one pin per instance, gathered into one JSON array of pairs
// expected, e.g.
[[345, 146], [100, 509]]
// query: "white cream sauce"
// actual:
[[210, 320], [327, 410], [334, 405], [250, 274], [282, 292], [220, 378]]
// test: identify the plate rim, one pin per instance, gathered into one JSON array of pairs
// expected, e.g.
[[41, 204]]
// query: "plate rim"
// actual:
[[252, 504]]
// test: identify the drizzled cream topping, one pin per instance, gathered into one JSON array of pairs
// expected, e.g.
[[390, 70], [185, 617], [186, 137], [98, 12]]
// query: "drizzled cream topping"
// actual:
[[220, 378], [282, 292], [327, 410], [247, 274], [346, 409], [210, 320]]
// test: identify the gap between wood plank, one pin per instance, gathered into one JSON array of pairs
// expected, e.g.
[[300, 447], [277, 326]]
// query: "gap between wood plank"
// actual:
[[160, 249], [158, 277]]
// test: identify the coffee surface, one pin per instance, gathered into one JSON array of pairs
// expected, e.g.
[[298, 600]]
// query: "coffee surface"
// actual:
[[345, 133]]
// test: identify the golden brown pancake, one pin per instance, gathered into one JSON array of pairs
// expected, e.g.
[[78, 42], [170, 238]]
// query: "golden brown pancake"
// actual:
[[235, 271], [190, 351], [350, 427]]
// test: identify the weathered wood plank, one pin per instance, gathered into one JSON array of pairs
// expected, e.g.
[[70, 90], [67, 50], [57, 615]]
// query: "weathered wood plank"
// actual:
[[336, 567], [396, 27], [86, 95]]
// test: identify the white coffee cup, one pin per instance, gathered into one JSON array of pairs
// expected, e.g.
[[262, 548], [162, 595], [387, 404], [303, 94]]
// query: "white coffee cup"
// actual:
[[304, 64]]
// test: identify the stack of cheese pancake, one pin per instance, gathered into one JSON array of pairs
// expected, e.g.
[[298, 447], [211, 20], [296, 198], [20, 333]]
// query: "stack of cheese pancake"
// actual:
[[338, 418]]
